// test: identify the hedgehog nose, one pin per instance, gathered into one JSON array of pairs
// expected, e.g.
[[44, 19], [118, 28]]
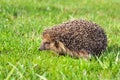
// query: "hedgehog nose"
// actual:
[[42, 48], [39, 49]]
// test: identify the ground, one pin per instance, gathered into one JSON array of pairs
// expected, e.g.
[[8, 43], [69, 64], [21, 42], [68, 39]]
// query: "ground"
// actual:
[[21, 25]]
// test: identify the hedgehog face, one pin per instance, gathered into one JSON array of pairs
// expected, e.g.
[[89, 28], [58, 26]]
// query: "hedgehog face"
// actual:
[[49, 44]]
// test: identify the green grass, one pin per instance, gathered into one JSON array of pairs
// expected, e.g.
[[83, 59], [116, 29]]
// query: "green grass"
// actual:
[[21, 25]]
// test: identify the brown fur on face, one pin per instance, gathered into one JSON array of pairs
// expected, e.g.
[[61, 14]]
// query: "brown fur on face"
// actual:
[[50, 44]]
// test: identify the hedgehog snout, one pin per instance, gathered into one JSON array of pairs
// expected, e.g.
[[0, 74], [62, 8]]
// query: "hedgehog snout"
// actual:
[[45, 46], [42, 47]]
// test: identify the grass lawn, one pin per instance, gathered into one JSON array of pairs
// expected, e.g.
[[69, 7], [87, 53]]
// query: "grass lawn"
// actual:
[[21, 25]]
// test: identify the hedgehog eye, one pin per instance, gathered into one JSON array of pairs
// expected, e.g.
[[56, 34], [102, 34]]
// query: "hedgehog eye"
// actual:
[[47, 45]]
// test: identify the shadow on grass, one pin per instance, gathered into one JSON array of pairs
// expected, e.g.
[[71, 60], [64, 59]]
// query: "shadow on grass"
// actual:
[[111, 52], [113, 48]]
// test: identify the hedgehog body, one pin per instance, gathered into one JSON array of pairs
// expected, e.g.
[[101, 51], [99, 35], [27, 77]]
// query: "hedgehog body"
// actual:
[[78, 37]]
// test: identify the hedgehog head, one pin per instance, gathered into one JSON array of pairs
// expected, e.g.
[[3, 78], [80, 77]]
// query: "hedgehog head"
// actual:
[[49, 42]]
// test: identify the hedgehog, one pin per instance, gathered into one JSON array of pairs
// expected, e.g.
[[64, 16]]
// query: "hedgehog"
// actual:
[[77, 38]]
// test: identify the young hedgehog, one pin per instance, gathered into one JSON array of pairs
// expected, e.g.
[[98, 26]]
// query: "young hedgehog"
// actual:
[[77, 38]]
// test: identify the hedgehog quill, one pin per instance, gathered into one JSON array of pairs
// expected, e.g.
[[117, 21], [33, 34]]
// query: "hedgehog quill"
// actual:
[[77, 38]]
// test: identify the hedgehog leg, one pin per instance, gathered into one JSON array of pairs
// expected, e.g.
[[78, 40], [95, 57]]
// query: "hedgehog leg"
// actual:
[[84, 54]]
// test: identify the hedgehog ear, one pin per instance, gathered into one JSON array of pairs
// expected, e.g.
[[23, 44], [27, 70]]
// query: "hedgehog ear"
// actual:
[[57, 44], [47, 36]]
